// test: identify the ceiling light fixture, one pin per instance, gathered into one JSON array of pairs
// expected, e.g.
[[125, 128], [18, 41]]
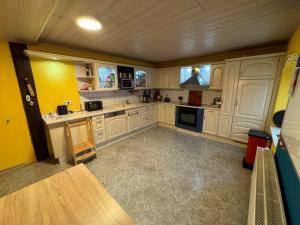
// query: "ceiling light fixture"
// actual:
[[89, 23]]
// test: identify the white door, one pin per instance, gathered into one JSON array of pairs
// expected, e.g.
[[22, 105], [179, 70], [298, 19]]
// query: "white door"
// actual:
[[174, 78], [115, 126], [211, 120], [216, 77], [224, 127], [161, 113], [262, 68], [133, 122], [170, 114], [241, 126], [230, 81], [253, 99]]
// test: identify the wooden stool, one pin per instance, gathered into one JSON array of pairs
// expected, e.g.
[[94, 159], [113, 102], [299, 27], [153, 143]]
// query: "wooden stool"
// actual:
[[80, 140]]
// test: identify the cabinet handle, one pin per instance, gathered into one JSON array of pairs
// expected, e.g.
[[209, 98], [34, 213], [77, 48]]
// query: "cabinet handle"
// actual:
[[236, 102]]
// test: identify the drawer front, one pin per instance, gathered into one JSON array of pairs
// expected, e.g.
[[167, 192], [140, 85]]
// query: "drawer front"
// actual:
[[99, 136], [98, 124], [132, 112]]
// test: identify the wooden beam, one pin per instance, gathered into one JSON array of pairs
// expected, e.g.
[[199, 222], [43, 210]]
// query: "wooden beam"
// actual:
[[31, 106]]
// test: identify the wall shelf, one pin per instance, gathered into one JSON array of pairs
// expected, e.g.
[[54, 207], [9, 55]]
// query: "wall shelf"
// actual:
[[85, 77]]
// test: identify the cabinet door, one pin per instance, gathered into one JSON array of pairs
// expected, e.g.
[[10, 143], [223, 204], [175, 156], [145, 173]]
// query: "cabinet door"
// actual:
[[152, 79], [161, 113], [262, 68], [224, 127], [99, 136], [230, 81], [253, 99], [211, 120], [241, 126], [105, 77], [115, 126], [216, 75], [133, 122], [170, 112], [164, 78], [140, 76], [174, 78], [156, 113]]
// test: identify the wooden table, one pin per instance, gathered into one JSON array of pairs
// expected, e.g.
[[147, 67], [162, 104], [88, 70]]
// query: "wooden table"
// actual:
[[73, 196]]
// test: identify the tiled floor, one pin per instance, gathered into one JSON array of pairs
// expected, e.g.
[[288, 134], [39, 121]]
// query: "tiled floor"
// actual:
[[162, 177]]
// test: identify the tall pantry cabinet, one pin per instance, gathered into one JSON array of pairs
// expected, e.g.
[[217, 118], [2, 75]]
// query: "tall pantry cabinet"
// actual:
[[248, 85]]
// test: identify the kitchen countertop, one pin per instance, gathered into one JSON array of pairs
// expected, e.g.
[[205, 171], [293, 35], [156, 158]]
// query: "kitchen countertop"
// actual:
[[56, 119]]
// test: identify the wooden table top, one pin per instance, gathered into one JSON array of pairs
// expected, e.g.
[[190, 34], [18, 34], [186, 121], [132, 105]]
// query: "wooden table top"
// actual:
[[73, 196]]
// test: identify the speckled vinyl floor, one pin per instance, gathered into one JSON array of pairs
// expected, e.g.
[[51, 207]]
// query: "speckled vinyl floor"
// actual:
[[161, 177]]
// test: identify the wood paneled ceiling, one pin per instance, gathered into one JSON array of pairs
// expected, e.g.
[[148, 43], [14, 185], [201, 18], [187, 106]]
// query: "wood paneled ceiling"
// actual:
[[151, 30]]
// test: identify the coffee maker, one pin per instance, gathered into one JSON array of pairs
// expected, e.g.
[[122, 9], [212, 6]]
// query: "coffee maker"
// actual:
[[146, 96]]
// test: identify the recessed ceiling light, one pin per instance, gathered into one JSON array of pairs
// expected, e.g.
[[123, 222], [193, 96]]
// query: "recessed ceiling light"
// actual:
[[89, 23]]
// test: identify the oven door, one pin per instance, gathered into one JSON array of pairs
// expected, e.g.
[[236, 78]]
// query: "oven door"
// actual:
[[127, 84], [189, 118]]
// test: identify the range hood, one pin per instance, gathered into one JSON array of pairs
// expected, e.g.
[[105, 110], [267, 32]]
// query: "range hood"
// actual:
[[198, 77]]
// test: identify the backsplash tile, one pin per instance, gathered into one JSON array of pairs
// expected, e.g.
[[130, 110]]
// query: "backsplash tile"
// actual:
[[110, 97], [207, 95]]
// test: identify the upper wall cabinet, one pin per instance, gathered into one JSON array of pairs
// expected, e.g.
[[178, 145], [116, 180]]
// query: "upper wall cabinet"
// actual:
[[152, 78], [140, 76], [168, 78], [216, 74], [262, 68], [106, 77]]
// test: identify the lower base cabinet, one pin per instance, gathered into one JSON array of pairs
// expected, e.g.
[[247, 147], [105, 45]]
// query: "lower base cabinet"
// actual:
[[170, 112], [132, 120], [115, 126], [210, 121], [224, 128], [241, 127]]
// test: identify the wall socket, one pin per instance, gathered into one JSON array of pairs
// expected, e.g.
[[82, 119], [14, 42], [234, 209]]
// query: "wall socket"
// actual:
[[68, 102]]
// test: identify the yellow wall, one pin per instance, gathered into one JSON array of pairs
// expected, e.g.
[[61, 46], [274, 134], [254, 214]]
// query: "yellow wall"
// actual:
[[55, 82], [15, 141], [282, 96]]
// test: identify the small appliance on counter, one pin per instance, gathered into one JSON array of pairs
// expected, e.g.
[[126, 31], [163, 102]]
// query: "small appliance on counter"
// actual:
[[195, 98], [167, 99], [146, 96], [62, 110], [125, 77], [157, 96], [217, 101], [93, 105]]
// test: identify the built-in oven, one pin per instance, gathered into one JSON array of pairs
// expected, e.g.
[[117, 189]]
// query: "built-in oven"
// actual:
[[190, 118]]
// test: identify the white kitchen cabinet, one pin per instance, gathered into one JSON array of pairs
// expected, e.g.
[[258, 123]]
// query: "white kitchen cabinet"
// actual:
[[174, 79], [241, 126], [105, 77], [253, 99], [115, 126], [169, 78], [163, 80], [170, 112], [216, 75], [141, 78], [211, 121], [152, 79], [99, 129], [132, 119], [224, 127], [146, 115], [161, 113], [230, 82], [259, 68]]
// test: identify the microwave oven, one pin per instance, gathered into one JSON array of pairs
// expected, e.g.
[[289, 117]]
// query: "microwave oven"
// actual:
[[126, 84], [93, 105]]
